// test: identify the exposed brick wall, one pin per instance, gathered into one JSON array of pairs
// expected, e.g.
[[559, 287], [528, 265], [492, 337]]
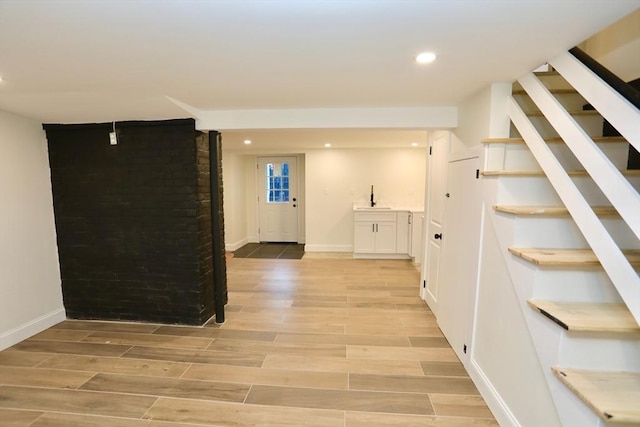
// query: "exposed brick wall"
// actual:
[[129, 221]]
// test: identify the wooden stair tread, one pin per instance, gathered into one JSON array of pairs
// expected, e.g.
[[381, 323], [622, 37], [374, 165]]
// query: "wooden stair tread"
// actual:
[[589, 317], [572, 113], [551, 211], [614, 396], [625, 172], [554, 140], [568, 257]]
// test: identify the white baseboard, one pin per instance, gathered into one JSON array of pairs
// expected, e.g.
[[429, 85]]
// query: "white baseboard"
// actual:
[[328, 248], [31, 328], [230, 247], [380, 256], [496, 404]]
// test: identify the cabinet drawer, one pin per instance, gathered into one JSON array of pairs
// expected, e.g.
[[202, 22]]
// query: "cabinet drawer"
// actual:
[[374, 216]]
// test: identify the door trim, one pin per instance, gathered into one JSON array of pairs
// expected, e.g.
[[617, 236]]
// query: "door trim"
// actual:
[[260, 184]]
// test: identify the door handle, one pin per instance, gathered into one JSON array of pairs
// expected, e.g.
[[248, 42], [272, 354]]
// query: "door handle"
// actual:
[[437, 236], [294, 199], [294, 205]]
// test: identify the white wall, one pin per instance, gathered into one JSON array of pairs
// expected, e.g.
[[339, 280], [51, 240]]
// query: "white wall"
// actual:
[[337, 178], [482, 115], [235, 212], [30, 290], [334, 179], [503, 350], [617, 46], [503, 360]]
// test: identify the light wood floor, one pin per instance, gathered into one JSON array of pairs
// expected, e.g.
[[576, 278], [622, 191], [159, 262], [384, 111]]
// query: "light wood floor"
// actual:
[[311, 342]]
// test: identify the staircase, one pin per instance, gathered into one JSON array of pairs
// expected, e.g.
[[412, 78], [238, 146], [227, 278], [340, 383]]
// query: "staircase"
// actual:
[[567, 213]]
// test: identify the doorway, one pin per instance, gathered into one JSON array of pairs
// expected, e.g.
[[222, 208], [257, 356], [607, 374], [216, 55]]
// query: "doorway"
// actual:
[[278, 199]]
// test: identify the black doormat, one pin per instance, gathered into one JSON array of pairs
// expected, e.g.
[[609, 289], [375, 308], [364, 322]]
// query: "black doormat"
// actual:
[[270, 251]]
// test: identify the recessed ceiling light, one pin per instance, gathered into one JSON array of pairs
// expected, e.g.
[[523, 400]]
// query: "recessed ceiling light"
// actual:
[[414, 144], [425, 58], [327, 145], [247, 141]]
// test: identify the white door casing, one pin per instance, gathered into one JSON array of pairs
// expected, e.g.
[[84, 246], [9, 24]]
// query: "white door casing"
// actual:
[[434, 215], [277, 199], [458, 279]]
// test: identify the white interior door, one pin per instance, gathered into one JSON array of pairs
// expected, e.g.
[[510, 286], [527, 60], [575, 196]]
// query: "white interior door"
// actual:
[[459, 267], [278, 199], [438, 162]]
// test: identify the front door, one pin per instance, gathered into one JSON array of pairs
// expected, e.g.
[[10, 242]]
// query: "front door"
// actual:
[[277, 199]]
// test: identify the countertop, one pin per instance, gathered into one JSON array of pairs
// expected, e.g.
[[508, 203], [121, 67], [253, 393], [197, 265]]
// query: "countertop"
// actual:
[[386, 207]]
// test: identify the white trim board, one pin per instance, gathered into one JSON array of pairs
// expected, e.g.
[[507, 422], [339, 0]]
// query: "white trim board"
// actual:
[[29, 329], [328, 248], [230, 247], [496, 404]]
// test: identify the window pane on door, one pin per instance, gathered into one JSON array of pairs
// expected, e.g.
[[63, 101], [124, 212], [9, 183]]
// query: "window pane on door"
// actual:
[[277, 182]]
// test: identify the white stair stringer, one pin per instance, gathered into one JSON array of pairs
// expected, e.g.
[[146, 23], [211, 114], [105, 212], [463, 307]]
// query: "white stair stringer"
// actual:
[[622, 274]]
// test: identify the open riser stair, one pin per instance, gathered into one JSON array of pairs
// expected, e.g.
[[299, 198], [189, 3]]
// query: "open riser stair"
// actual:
[[573, 256]]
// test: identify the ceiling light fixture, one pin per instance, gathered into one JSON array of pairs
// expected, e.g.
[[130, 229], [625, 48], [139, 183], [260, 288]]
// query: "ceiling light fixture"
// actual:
[[327, 145], [414, 144], [426, 58], [247, 142]]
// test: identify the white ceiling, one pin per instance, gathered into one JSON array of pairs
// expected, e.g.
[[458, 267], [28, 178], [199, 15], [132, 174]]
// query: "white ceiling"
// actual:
[[65, 61]]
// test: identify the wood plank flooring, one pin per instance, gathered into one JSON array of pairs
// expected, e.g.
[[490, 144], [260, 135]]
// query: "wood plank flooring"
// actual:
[[311, 342]]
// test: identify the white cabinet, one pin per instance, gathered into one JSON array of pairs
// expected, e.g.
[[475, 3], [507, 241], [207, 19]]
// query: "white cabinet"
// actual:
[[364, 237], [417, 231], [403, 244], [385, 237], [391, 234], [374, 233]]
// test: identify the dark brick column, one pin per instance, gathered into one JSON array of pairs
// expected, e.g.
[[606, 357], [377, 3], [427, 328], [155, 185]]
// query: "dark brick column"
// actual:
[[132, 237], [205, 247], [217, 224]]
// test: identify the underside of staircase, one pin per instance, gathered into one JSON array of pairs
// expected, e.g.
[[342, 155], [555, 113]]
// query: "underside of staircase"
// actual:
[[581, 317]]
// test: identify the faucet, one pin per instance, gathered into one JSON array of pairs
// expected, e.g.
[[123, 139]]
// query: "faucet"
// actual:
[[372, 202]]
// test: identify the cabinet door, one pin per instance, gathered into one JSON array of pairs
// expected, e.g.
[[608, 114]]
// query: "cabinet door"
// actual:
[[363, 237], [403, 233], [385, 238]]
